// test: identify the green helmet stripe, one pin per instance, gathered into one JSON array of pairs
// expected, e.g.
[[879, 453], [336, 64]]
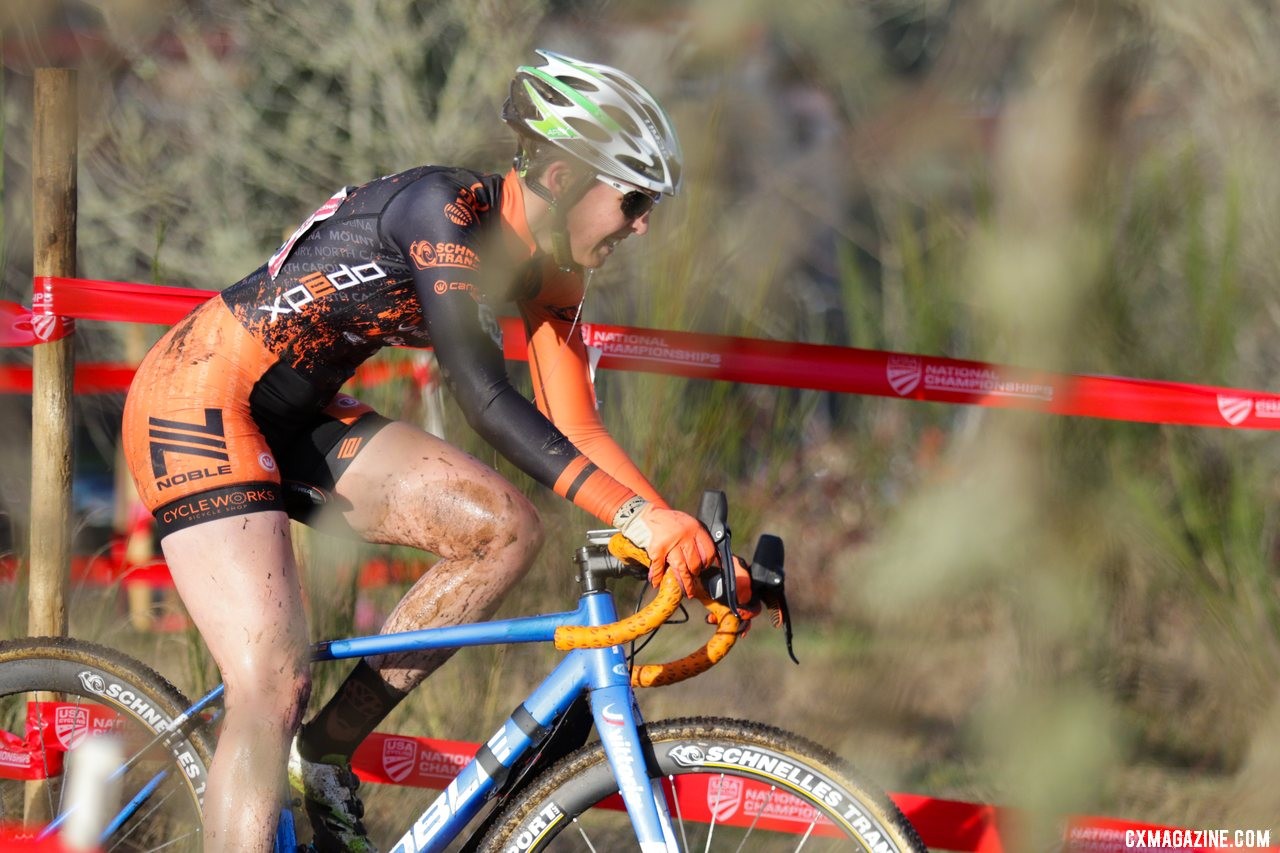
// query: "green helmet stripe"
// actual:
[[575, 96], [550, 126]]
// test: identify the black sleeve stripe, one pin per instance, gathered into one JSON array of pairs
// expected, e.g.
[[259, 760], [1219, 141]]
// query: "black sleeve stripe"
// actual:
[[580, 481]]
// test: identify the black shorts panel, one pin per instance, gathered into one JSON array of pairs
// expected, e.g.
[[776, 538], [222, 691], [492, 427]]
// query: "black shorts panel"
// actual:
[[319, 455]]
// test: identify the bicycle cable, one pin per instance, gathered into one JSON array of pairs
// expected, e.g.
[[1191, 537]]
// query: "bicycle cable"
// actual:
[[636, 649]]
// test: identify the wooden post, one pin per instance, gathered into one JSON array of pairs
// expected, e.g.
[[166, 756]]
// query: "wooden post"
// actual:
[[53, 221]]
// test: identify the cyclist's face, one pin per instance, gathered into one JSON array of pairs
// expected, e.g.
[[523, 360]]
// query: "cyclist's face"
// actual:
[[597, 224]]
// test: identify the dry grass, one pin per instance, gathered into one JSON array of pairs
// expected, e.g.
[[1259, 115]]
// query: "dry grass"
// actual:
[[1069, 615]]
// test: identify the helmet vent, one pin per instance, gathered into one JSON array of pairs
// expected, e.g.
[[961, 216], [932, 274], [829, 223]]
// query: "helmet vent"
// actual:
[[579, 83], [519, 107], [589, 129], [654, 121], [646, 169], [618, 80], [550, 94], [625, 121]]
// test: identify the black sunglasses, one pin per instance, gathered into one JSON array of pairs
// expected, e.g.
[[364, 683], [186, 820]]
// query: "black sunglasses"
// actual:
[[635, 202]]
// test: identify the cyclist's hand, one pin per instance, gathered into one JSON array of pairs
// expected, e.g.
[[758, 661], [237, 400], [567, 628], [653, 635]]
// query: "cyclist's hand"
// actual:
[[672, 539]]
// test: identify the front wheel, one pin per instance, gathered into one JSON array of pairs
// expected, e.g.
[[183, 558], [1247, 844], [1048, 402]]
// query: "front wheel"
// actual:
[[730, 785], [54, 693]]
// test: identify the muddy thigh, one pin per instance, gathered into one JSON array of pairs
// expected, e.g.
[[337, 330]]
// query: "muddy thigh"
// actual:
[[411, 488]]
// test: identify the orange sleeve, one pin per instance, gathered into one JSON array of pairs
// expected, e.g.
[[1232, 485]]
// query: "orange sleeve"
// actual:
[[562, 388]]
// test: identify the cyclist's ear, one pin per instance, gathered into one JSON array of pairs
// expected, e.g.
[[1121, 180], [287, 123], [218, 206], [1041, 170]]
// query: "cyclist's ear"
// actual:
[[559, 176], [565, 177]]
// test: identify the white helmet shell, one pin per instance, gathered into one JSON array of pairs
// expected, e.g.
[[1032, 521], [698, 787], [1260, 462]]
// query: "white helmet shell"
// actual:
[[601, 116]]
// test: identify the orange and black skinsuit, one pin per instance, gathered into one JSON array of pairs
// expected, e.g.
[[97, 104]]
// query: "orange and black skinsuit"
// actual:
[[246, 387]]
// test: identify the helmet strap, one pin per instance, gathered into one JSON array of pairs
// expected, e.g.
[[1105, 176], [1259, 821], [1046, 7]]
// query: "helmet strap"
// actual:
[[559, 210]]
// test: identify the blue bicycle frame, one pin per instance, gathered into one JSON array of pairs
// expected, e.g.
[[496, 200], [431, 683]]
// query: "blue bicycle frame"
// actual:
[[602, 673]]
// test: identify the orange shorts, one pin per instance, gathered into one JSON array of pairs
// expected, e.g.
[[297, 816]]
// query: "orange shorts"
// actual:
[[213, 422]]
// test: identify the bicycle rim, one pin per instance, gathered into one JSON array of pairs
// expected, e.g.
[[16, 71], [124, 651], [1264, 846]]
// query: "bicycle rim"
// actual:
[[730, 786], [54, 695]]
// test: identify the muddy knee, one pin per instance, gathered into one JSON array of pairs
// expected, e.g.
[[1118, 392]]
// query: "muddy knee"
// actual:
[[524, 526], [496, 526], [274, 692]]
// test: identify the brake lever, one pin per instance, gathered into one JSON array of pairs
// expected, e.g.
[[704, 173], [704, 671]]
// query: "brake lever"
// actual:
[[768, 585], [781, 614], [713, 512]]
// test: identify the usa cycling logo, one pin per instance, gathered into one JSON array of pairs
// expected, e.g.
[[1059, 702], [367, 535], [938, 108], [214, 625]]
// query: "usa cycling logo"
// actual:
[[724, 796], [904, 373], [1235, 410], [71, 725], [398, 757]]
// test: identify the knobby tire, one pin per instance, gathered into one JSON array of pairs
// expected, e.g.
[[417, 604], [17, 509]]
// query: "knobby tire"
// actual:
[[810, 799], [85, 679]]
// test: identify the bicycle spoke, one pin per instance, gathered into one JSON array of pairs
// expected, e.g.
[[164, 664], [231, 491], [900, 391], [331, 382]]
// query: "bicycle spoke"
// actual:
[[684, 838], [583, 833], [756, 819], [141, 821], [166, 845], [808, 832], [53, 807], [715, 813]]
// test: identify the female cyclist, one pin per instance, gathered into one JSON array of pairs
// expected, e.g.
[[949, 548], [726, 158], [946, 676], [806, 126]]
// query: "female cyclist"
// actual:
[[245, 392]]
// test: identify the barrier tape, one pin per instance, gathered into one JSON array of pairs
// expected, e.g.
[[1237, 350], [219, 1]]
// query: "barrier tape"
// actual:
[[792, 365], [109, 378], [943, 824], [89, 379], [15, 838], [22, 328], [112, 567], [388, 759]]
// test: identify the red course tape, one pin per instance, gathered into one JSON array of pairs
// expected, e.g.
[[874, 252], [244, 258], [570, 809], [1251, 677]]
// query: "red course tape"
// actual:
[[392, 759], [395, 759], [751, 360]]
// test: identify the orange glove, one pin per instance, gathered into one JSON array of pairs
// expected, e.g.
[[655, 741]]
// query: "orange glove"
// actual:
[[672, 539]]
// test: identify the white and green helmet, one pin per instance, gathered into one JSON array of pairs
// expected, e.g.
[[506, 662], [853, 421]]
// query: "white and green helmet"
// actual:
[[601, 116]]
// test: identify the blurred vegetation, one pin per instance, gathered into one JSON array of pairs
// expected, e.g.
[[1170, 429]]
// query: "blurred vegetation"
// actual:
[[1078, 616]]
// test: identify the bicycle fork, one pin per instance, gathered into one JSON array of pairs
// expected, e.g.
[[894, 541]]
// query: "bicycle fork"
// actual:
[[617, 719]]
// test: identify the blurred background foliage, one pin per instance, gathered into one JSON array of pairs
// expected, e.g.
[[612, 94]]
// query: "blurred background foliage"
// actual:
[[1078, 616]]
